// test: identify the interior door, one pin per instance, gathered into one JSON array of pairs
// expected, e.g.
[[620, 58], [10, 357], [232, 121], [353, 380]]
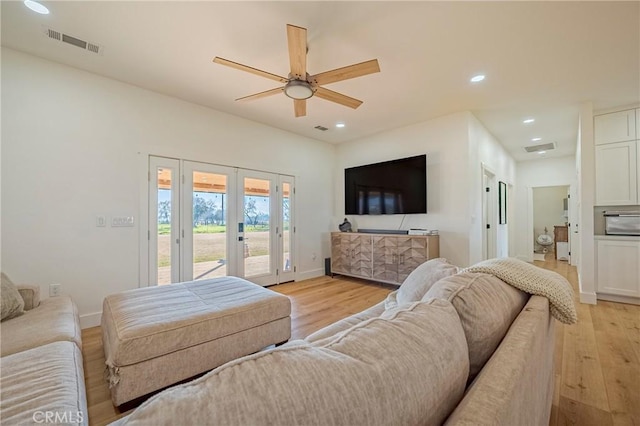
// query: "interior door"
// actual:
[[208, 209]]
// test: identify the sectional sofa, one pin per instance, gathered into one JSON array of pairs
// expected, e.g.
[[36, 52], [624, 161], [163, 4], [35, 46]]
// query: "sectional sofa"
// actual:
[[449, 346], [41, 371]]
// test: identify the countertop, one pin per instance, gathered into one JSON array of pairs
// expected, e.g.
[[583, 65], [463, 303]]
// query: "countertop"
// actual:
[[618, 237]]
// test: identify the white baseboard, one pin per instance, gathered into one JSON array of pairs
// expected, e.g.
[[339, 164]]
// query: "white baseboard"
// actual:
[[307, 275], [619, 299], [90, 320], [588, 298]]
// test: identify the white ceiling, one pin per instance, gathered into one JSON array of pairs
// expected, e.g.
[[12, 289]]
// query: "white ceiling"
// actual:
[[542, 59]]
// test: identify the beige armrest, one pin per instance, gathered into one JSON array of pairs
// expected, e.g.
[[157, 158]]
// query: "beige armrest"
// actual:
[[31, 296]]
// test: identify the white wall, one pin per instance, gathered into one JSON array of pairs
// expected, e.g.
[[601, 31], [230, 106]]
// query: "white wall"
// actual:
[[485, 150], [539, 173], [444, 141], [455, 146], [586, 197], [73, 147]]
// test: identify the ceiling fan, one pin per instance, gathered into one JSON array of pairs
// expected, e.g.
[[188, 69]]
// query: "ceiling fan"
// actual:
[[299, 85]]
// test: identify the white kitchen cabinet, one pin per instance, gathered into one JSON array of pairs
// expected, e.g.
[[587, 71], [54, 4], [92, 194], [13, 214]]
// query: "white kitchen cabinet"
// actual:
[[618, 266], [617, 174], [615, 127]]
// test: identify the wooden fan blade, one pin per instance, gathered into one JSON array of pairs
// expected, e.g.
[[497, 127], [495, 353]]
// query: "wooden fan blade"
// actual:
[[251, 70], [300, 107], [345, 73], [297, 38], [339, 98], [262, 94]]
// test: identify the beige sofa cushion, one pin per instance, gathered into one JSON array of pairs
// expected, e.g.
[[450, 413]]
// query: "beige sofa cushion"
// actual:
[[55, 319], [408, 366], [12, 304], [48, 378], [150, 322], [487, 306], [515, 387], [420, 281], [346, 323]]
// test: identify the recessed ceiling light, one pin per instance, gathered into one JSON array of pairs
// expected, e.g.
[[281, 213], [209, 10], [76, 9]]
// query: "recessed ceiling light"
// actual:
[[536, 139], [340, 125], [542, 152], [477, 78], [36, 7], [528, 120]]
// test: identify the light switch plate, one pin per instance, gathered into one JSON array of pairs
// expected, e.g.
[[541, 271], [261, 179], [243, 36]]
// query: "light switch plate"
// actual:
[[101, 221], [118, 221]]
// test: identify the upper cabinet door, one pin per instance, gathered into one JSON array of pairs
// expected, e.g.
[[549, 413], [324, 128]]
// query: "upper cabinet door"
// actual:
[[615, 127], [616, 174]]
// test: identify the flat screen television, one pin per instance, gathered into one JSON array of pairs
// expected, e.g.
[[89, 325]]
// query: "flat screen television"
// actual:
[[391, 187]]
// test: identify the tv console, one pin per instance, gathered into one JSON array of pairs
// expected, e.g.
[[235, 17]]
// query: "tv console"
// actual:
[[382, 257]]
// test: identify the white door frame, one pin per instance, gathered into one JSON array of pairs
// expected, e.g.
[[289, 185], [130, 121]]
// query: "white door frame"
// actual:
[[270, 277], [148, 220], [154, 164], [285, 275], [572, 225], [489, 213], [188, 167]]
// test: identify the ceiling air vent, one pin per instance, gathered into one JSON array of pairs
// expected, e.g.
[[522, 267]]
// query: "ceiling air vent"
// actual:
[[542, 147], [74, 41], [322, 128]]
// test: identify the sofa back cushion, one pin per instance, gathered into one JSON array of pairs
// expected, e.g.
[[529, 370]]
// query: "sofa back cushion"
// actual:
[[407, 366], [12, 304], [420, 281], [486, 305]]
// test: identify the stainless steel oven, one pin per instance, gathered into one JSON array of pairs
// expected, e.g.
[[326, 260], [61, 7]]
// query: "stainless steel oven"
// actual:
[[622, 223]]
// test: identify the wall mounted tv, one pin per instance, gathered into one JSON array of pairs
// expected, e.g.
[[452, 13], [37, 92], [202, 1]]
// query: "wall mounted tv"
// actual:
[[391, 187]]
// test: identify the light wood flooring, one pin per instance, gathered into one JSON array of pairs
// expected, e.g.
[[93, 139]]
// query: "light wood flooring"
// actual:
[[597, 360]]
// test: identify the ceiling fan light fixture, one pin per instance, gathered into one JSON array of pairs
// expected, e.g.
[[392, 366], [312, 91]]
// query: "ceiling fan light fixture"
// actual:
[[298, 89]]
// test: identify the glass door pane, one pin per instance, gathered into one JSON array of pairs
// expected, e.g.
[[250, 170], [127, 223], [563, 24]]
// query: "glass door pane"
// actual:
[[164, 221], [209, 221], [257, 226], [207, 208]]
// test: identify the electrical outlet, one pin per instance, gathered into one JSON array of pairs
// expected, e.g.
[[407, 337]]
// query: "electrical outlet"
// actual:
[[54, 290]]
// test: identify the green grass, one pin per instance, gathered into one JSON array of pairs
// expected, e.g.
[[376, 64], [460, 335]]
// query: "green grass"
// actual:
[[165, 229]]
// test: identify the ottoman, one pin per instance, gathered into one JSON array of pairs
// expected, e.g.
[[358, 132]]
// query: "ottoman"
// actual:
[[154, 337]]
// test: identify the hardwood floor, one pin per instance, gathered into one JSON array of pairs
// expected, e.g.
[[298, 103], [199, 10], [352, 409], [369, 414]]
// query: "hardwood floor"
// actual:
[[597, 361]]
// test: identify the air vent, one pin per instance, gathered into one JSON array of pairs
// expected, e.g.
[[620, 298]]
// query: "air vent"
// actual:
[[322, 128], [74, 41], [542, 147], [54, 34]]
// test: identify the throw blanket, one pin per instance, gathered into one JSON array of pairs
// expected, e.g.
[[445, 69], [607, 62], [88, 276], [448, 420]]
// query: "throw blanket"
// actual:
[[533, 280]]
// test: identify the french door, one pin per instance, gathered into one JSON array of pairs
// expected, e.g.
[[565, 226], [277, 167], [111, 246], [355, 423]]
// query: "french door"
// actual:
[[209, 221]]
